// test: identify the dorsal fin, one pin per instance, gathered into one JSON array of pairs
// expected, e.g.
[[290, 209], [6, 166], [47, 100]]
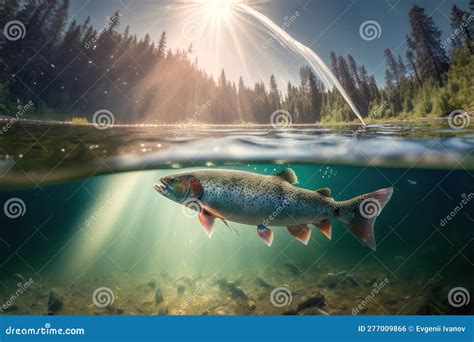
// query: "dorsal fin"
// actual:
[[324, 191], [288, 175]]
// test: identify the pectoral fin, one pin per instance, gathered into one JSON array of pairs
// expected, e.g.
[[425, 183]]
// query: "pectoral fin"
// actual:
[[325, 227], [207, 222], [266, 234], [214, 213], [301, 232]]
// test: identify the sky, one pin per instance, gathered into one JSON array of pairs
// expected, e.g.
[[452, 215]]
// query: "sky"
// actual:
[[224, 37]]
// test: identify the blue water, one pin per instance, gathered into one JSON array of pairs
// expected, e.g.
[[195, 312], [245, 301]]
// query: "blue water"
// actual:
[[116, 231]]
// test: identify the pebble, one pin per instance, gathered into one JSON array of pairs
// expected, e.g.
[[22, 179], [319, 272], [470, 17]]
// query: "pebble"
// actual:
[[55, 301], [316, 299], [181, 289], [159, 296]]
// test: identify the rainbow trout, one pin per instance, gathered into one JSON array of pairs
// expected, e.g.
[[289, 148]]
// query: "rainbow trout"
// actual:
[[271, 200]]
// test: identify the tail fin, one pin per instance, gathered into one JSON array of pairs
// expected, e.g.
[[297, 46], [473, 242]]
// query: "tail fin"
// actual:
[[359, 214]]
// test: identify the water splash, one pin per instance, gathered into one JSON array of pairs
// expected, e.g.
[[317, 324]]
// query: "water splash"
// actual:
[[287, 41]]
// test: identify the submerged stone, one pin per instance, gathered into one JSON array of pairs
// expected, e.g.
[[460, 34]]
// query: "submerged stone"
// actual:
[[152, 283], [181, 288], [159, 296], [235, 291], [316, 299], [55, 301], [251, 305], [163, 311]]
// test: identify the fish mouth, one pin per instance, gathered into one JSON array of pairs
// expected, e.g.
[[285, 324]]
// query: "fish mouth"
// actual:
[[163, 187]]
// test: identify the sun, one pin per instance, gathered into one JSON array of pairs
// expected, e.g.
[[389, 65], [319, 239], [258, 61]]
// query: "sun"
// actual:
[[218, 9]]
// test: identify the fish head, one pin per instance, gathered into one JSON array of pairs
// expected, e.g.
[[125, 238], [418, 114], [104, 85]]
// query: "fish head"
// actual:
[[180, 187]]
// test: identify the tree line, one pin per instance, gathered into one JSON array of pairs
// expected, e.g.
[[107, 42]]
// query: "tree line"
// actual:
[[75, 69]]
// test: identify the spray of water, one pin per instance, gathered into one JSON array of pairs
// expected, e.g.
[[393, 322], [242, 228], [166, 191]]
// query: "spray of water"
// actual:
[[287, 41]]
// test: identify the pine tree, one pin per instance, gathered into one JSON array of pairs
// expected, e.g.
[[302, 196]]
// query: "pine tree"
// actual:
[[425, 41], [393, 74], [162, 45], [354, 70], [459, 22], [316, 100], [334, 65], [274, 94], [411, 60], [345, 76]]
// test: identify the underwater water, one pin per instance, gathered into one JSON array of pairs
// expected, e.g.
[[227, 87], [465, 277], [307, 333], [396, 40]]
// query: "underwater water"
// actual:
[[76, 243]]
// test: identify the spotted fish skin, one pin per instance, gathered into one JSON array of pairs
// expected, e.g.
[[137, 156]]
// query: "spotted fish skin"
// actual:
[[272, 200], [253, 199]]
